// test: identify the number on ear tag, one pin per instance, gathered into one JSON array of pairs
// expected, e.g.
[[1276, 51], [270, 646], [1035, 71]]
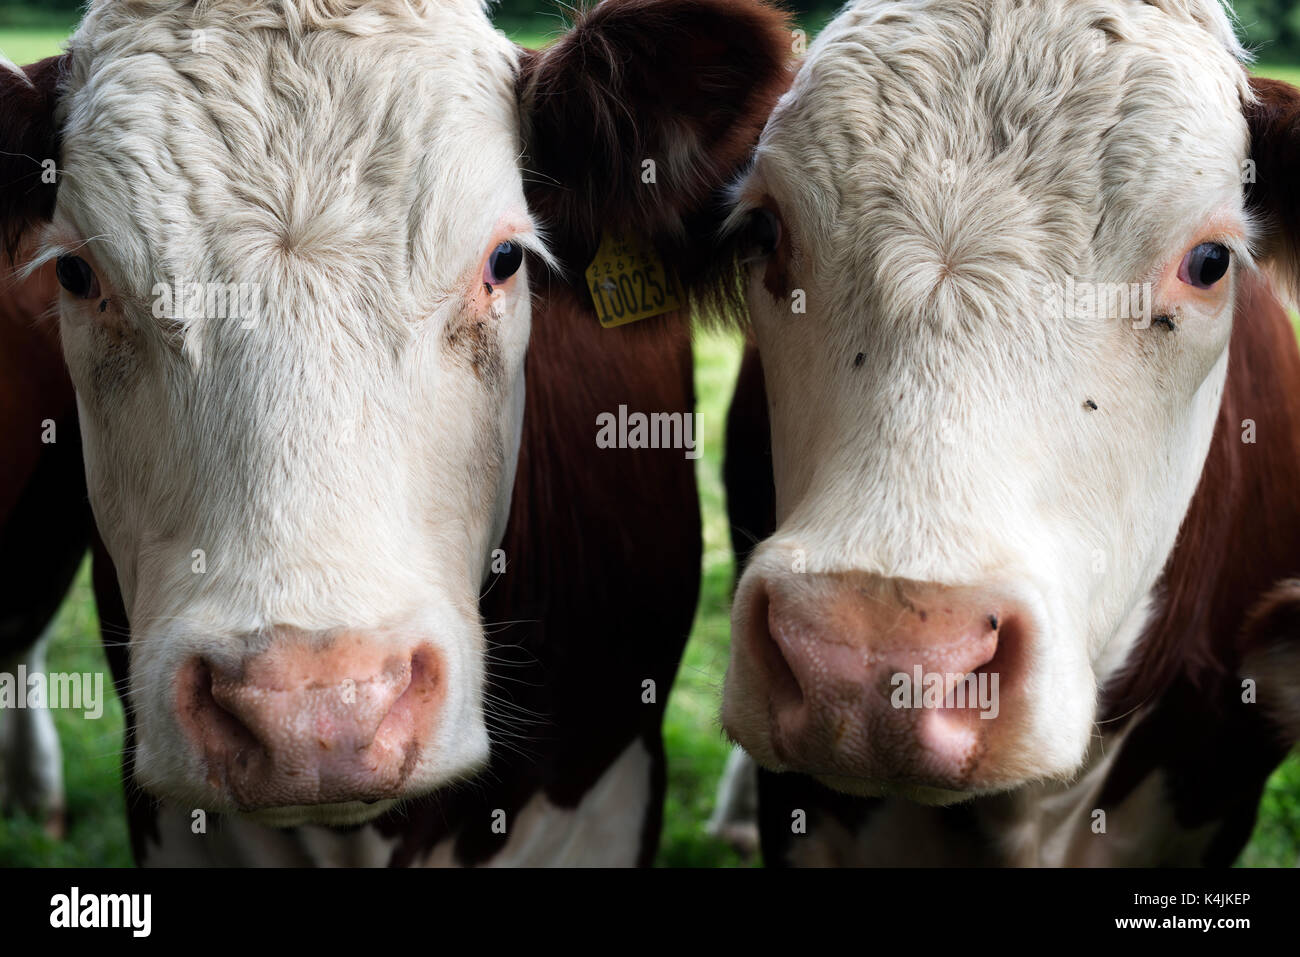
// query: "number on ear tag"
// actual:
[[628, 282]]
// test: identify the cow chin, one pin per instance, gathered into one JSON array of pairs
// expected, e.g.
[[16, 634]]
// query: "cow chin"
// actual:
[[349, 814], [223, 789], [910, 779], [912, 783], [917, 793]]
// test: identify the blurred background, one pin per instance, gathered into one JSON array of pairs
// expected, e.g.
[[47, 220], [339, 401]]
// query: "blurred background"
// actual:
[[696, 749]]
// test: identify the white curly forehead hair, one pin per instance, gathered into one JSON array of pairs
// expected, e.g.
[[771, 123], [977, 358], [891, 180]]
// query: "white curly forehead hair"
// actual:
[[940, 431]]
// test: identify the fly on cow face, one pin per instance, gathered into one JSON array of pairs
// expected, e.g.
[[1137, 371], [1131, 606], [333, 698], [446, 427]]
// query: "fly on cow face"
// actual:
[[943, 163]]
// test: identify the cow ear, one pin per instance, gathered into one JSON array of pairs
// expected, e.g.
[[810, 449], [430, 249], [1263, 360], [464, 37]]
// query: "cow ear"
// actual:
[[637, 117], [1273, 182], [28, 147]]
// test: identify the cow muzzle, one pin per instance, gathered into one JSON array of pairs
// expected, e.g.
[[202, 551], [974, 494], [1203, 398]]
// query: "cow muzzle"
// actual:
[[876, 685], [312, 720]]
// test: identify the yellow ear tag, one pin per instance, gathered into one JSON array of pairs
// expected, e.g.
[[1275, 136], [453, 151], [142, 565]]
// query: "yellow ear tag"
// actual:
[[627, 282]]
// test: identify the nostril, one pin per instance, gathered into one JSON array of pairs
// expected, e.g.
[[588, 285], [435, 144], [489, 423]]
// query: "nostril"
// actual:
[[209, 715], [784, 690], [412, 708], [995, 623], [1004, 659]]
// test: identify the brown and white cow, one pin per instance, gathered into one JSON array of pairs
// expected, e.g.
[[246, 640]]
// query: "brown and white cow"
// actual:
[[44, 528], [302, 505], [1034, 419]]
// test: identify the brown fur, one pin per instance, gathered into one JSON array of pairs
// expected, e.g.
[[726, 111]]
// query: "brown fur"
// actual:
[[28, 137], [631, 78], [44, 516], [1274, 197], [604, 550]]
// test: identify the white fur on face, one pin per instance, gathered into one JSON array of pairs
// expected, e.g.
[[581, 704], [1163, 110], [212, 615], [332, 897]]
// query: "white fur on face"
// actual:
[[347, 461], [938, 165]]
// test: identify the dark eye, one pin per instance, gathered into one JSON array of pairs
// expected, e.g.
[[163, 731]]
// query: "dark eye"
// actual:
[[1205, 265], [764, 231], [503, 263], [76, 276]]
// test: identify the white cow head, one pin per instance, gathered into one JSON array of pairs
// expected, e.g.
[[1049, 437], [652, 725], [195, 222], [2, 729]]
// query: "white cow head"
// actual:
[[982, 452], [301, 465]]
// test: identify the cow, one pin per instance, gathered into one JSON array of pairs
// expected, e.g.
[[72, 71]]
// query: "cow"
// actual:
[[44, 532], [1019, 435], [373, 590]]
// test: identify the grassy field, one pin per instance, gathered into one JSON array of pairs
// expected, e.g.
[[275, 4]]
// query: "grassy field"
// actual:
[[697, 752]]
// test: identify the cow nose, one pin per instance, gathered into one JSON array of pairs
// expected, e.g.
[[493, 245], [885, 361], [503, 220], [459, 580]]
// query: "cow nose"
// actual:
[[872, 678], [312, 721]]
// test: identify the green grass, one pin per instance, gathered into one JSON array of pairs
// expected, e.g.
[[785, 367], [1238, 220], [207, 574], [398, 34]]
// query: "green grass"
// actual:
[[28, 34], [1276, 840], [697, 752], [29, 45], [1289, 72], [91, 758]]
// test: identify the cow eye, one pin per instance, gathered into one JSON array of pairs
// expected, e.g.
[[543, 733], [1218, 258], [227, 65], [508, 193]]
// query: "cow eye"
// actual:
[[503, 263], [1205, 265], [76, 276], [764, 230]]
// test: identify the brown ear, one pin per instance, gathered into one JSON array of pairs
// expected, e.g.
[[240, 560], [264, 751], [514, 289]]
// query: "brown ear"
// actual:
[[1274, 195], [28, 147], [687, 84]]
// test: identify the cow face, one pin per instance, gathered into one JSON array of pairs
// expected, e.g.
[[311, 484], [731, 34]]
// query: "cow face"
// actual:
[[295, 309], [993, 253]]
